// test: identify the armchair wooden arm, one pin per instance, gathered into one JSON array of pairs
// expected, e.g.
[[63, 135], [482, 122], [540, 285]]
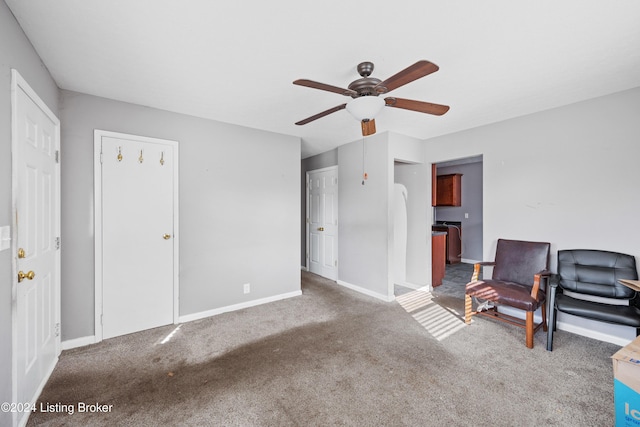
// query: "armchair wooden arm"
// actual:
[[536, 282], [476, 269]]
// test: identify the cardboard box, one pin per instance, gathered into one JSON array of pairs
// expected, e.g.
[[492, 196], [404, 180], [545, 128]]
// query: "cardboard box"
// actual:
[[626, 385]]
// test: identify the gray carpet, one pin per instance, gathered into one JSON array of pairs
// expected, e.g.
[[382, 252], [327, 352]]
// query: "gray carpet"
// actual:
[[333, 357]]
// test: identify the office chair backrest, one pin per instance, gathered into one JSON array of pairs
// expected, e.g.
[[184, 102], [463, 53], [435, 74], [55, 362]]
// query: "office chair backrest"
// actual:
[[595, 272]]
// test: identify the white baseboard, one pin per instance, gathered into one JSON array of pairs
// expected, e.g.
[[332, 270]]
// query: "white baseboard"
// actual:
[[423, 288], [78, 342], [574, 327], [408, 285], [234, 307], [601, 331], [366, 291], [469, 261], [81, 342]]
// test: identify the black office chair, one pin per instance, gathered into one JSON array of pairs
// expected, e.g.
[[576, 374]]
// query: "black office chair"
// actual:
[[594, 273]]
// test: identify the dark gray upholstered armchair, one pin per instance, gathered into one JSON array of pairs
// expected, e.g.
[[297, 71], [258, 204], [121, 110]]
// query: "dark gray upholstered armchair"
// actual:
[[594, 273], [520, 272]]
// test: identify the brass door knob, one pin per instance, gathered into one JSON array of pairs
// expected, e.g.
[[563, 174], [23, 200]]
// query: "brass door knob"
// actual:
[[321, 229], [166, 236], [29, 276]]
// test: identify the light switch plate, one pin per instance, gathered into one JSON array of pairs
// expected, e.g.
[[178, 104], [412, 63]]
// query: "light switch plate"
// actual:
[[5, 237]]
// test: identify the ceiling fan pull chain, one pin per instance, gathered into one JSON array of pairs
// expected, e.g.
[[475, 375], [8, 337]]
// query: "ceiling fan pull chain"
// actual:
[[364, 174]]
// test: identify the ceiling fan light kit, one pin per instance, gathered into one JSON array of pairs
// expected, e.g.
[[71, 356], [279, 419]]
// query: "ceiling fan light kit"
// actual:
[[366, 104], [365, 107]]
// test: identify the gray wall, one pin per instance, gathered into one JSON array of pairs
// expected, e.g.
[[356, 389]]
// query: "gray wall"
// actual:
[[471, 204], [568, 176], [363, 214], [239, 207], [15, 52]]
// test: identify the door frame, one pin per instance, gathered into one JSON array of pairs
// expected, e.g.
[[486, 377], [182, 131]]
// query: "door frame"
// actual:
[[19, 83], [307, 217], [97, 182]]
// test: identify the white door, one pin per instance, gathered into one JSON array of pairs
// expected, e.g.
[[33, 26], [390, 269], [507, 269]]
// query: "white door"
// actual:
[[138, 233], [36, 138], [322, 211]]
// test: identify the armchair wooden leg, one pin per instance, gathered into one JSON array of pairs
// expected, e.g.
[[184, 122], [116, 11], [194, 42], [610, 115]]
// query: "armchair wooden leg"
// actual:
[[529, 329], [543, 309], [467, 309]]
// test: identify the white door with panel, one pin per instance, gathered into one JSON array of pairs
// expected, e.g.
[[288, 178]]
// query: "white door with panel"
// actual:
[[36, 143], [138, 231], [322, 211]]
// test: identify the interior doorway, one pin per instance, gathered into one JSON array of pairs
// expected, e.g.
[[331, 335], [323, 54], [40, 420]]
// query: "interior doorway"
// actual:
[[409, 227], [136, 233], [465, 221]]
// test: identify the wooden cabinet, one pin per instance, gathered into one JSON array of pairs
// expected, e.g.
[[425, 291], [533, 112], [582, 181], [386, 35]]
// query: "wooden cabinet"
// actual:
[[453, 251], [438, 257], [448, 190]]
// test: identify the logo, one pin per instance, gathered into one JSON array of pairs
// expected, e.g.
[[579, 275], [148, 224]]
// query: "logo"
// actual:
[[633, 413]]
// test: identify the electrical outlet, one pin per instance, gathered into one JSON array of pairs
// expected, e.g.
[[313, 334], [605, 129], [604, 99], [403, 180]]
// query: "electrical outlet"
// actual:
[[247, 288], [466, 215]]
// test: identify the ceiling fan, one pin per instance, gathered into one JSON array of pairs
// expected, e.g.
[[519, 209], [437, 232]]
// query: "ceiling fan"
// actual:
[[365, 91]]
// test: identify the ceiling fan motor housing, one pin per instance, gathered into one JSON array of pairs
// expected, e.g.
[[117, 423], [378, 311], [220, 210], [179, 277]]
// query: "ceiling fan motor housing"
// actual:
[[366, 86]]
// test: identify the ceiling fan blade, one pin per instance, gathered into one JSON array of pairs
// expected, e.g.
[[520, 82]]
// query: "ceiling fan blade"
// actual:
[[324, 113], [368, 127], [409, 74], [420, 106], [322, 86]]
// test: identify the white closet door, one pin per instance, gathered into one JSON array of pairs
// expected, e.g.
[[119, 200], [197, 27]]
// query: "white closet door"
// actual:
[[137, 235]]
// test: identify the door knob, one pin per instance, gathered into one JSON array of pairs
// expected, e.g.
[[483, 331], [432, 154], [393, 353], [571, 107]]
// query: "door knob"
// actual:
[[29, 276], [166, 236], [321, 229]]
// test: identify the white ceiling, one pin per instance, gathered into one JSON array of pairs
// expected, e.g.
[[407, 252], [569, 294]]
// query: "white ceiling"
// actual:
[[235, 61]]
